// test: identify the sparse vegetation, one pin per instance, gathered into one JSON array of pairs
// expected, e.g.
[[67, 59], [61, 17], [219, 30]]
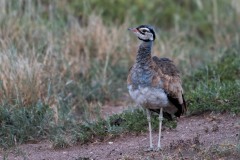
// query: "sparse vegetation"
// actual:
[[60, 62], [216, 87], [129, 121]]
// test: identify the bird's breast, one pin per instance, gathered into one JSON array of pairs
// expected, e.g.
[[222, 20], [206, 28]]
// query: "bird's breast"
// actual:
[[149, 97], [142, 78]]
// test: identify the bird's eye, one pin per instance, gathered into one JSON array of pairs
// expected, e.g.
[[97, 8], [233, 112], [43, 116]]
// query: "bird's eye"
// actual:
[[143, 30]]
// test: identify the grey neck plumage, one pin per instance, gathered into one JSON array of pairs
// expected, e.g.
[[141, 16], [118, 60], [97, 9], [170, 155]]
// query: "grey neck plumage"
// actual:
[[142, 75], [144, 53]]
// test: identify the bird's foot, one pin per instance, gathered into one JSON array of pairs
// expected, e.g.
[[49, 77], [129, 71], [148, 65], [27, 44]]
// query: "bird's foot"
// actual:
[[158, 149], [150, 149]]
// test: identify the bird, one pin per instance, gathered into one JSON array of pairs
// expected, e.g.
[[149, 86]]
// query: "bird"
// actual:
[[154, 83]]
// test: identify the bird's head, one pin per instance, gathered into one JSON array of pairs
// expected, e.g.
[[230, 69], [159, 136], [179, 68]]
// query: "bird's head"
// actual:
[[144, 32]]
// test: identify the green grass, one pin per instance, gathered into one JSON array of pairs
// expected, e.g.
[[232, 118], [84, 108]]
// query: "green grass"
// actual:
[[60, 62], [216, 87], [22, 124]]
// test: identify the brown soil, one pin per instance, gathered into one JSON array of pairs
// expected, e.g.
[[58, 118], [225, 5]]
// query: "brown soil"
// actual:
[[208, 136]]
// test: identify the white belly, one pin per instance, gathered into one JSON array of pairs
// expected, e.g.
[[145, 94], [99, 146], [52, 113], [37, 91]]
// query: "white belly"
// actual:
[[152, 98]]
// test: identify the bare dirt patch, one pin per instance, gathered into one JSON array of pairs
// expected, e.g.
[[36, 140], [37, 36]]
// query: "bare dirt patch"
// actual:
[[211, 136]]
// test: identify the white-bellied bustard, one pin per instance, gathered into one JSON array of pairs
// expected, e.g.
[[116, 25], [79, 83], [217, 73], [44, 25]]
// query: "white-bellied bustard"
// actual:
[[154, 83]]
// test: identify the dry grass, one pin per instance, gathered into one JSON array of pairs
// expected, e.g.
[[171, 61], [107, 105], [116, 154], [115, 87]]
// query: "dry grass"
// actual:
[[95, 42], [37, 62], [21, 79]]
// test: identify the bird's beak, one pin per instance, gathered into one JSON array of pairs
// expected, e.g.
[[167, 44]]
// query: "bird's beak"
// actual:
[[133, 29]]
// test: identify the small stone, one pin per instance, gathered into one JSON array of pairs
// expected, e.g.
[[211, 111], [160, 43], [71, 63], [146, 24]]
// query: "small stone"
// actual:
[[215, 128]]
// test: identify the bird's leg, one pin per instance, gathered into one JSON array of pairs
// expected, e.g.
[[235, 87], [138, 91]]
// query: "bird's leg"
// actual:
[[150, 129], [160, 129]]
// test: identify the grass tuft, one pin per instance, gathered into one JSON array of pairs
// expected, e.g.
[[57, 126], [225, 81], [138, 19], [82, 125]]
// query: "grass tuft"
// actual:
[[18, 125]]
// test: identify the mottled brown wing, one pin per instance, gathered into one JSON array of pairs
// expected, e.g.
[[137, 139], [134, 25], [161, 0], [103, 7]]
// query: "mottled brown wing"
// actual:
[[166, 66], [170, 76]]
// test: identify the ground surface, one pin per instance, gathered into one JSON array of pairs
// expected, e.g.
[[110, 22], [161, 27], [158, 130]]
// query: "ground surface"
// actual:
[[208, 136]]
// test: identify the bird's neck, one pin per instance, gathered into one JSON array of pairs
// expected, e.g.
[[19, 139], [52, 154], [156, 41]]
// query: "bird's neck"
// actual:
[[144, 53]]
